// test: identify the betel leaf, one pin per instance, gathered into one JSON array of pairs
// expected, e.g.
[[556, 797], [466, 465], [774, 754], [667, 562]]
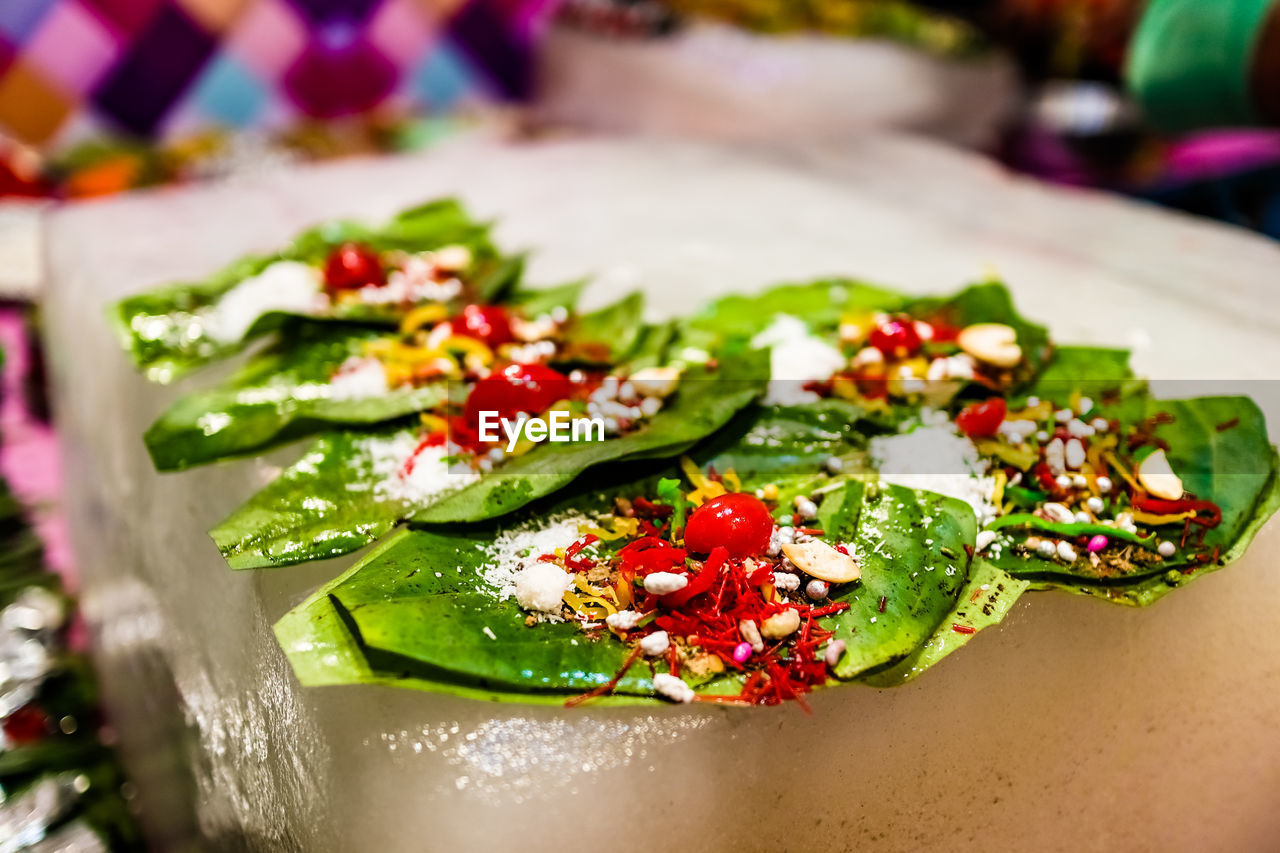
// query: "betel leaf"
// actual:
[[285, 392], [162, 328], [766, 441], [536, 301], [985, 600], [1095, 372], [911, 547], [421, 597], [988, 302], [335, 500], [606, 335], [820, 304], [282, 394], [1219, 447], [419, 607], [704, 401], [1070, 365], [319, 639], [330, 502], [1148, 589]]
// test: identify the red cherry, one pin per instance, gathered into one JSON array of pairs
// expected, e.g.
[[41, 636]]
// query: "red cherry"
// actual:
[[529, 388], [738, 522], [352, 266], [982, 420], [896, 338], [486, 323], [26, 725]]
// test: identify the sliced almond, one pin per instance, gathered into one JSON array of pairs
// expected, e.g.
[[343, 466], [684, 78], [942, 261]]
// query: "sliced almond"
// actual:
[[818, 559], [781, 624], [993, 343], [655, 381], [533, 330], [452, 258], [867, 357], [1157, 477]]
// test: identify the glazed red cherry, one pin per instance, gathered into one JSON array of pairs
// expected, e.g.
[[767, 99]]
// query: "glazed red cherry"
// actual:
[[738, 522], [529, 388], [486, 323], [352, 266], [896, 338], [982, 420]]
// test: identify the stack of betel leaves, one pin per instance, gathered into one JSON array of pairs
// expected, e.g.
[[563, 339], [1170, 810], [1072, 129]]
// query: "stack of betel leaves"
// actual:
[[821, 483]]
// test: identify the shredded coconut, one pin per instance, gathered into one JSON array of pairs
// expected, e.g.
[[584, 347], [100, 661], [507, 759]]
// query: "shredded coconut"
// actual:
[[512, 550], [287, 286], [429, 475], [936, 458], [357, 379], [795, 357]]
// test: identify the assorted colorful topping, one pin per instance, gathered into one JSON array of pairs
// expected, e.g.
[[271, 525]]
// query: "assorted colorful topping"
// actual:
[[1083, 487], [703, 583], [919, 431], [891, 357], [517, 391]]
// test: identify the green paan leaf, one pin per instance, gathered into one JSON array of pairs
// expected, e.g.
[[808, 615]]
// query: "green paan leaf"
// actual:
[[704, 402], [337, 499], [317, 637], [282, 394], [911, 546], [287, 392], [989, 302], [605, 336], [763, 442], [820, 303], [419, 602], [1234, 467], [166, 331], [418, 606], [984, 601]]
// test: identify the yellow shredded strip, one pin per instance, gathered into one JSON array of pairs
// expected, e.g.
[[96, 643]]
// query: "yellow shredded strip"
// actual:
[[706, 489], [622, 593], [1018, 458], [1119, 469], [471, 346], [700, 496], [422, 316], [590, 603], [997, 491], [1039, 412], [434, 423], [731, 479], [622, 527], [1154, 518], [693, 472]]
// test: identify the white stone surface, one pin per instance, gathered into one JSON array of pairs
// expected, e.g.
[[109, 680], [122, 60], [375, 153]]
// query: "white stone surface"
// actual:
[[1075, 725]]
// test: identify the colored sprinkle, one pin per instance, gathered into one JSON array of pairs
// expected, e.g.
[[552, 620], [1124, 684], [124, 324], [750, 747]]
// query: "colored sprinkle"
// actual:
[[741, 652], [1097, 543], [963, 629]]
